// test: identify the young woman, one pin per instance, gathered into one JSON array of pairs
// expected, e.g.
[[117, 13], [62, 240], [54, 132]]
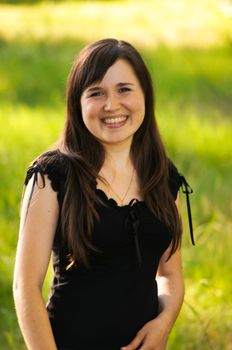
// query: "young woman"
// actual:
[[104, 202]]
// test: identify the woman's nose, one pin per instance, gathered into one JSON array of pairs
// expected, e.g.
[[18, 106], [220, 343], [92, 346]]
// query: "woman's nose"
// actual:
[[112, 103]]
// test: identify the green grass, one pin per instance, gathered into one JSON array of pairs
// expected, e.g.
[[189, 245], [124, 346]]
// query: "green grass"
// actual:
[[148, 22], [194, 114]]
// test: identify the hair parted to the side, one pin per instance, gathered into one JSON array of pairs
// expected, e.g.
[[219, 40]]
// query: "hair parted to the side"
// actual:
[[86, 154]]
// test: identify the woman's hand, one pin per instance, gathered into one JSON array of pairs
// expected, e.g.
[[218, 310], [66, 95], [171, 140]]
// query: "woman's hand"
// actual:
[[153, 336]]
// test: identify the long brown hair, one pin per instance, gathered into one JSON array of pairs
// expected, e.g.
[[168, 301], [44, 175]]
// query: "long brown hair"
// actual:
[[86, 154]]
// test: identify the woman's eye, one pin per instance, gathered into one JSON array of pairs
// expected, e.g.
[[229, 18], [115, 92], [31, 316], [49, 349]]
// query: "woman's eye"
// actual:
[[124, 89], [96, 94]]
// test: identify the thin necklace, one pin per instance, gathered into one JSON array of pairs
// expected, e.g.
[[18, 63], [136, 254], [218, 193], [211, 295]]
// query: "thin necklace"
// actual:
[[128, 188]]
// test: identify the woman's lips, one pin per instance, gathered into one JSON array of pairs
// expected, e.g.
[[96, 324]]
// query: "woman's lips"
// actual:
[[114, 122]]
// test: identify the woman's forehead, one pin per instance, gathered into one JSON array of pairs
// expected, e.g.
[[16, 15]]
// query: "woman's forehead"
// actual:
[[119, 73]]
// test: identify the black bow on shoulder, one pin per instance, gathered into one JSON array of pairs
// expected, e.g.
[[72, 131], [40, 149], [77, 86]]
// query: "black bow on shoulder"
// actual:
[[187, 190]]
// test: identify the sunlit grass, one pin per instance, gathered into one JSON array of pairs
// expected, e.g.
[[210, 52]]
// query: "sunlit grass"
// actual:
[[149, 22]]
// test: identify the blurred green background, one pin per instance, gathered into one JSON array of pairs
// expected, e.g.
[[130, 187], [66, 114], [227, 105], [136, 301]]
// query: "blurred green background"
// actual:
[[187, 46]]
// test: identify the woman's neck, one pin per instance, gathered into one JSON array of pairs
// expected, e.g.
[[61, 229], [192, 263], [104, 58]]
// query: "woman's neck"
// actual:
[[117, 156]]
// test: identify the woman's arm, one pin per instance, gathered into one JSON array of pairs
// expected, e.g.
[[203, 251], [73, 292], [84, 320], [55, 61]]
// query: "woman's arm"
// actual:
[[170, 286], [154, 335], [170, 289], [33, 254]]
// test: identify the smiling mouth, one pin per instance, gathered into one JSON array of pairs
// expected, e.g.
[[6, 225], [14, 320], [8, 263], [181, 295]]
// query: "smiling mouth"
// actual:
[[114, 120]]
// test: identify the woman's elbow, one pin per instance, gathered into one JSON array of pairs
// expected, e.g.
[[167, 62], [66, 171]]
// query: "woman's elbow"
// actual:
[[25, 289]]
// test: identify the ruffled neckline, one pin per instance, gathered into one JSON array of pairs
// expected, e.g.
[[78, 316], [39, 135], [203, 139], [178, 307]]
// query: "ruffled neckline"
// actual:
[[112, 202]]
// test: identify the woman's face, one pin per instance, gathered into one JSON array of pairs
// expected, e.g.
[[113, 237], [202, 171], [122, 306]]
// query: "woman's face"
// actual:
[[113, 109]]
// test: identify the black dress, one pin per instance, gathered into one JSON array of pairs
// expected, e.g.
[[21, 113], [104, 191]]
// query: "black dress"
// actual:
[[103, 307]]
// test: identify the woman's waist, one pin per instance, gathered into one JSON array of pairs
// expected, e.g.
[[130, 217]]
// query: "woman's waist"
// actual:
[[106, 318], [103, 301]]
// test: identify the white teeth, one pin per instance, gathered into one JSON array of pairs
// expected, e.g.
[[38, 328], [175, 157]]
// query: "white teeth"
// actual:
[[114, 120]]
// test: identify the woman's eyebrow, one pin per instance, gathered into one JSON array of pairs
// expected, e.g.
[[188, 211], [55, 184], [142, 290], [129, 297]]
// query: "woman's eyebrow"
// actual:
[[94, 88], [123, 84]]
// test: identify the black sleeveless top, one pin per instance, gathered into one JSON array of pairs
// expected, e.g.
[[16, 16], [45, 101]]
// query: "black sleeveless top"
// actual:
[[104, 306]]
